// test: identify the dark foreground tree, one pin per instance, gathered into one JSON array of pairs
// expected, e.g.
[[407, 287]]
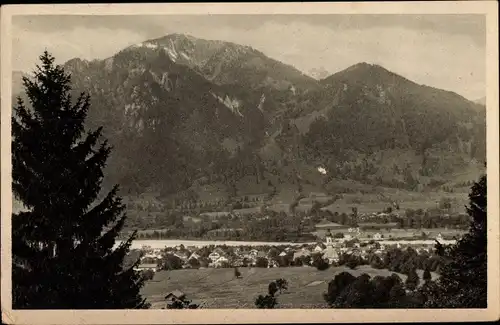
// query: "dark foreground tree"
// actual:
[[463, 279], [335, 287], [63, 244], [266, 302]]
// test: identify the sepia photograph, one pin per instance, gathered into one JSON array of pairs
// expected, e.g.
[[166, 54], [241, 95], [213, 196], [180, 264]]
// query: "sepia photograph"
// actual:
[[238, 159]]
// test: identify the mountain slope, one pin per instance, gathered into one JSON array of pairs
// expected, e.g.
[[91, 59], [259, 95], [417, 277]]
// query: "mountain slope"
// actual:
[[185, 114], [167, 122], [368, 112]]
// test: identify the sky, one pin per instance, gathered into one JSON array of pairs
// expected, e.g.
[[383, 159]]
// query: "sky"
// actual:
[[443, 51]]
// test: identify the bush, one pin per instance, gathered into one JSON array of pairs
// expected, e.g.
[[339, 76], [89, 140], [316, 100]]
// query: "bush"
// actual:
[[282, 285], [352, 263], [171, 262], [182, 304], [261, 262], [194, 263], [265, 302], [297, 261], [272, 288], [377, 262], [148, 275], [320, 264], [413, 280]]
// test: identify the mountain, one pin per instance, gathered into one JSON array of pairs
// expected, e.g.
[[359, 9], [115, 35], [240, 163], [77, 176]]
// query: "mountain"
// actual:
[[17, 82], [481, 101], [377, 126], [169, 124], [318, 73], [190, 117], [227, 63]]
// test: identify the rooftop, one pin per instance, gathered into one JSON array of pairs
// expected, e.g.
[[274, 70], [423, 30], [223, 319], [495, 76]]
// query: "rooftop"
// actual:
[[175, 293], [142, 266]]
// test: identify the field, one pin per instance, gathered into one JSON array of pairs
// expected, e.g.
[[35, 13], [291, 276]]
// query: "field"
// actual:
[[218, 288]]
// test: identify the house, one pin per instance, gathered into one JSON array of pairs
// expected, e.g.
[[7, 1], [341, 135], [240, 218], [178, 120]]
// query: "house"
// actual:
[[439, 237], [273, 251], [144, 267], [302, 252], [195, 256], [331, 255], [220, 261], [377, 236], [183, 255], [347, 237], [261, 254], [356, 252], [150, 259], [175, 295], [238, 262], [284, 253], [253, 252], [216, 254], [191, 263], [319, 248], [244, 254], [146, 248], [272, 263]]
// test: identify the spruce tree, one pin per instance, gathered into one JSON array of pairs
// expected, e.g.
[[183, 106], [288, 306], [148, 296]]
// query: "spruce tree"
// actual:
[[63, 243], [463, 278]]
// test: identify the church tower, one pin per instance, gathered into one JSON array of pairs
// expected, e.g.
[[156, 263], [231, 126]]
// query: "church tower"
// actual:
[[329, 238]]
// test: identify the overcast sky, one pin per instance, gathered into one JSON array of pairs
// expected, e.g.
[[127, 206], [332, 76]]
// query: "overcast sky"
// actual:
[[444, 51]]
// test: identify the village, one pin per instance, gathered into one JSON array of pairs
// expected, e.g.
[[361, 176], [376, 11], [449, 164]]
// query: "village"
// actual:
[[334, 241]]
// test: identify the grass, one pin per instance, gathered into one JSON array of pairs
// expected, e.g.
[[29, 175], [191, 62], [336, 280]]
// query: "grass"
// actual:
[[218, 288]]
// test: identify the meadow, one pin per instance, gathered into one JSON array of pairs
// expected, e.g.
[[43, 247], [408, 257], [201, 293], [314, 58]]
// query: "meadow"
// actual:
[[218, 288]]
